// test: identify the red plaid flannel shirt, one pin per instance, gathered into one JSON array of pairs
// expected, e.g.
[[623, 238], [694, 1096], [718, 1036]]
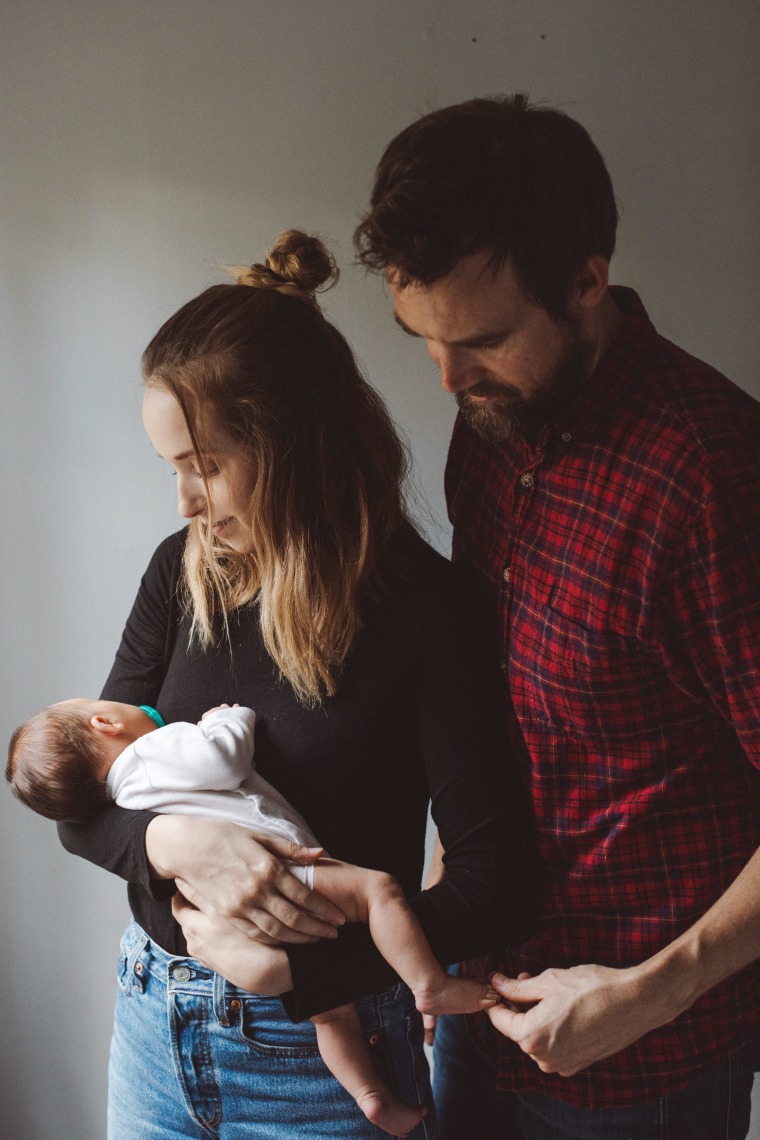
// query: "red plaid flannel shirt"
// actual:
[[622, 559]]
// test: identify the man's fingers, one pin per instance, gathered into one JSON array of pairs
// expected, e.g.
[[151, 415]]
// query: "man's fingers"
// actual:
[[524, 990], [507, 1021]]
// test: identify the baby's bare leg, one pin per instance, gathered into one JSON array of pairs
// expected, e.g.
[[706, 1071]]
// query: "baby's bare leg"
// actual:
[[342, 1047], [376, 898]]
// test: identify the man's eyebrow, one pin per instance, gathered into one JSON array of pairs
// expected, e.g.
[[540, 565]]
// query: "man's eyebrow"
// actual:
[[476, 341], [479, 339], [404, 327]]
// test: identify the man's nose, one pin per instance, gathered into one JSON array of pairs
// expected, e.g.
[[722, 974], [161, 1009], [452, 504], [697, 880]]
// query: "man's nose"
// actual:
[[456, 367]]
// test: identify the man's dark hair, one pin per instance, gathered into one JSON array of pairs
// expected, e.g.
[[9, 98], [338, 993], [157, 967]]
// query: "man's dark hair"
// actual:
[[53, 765], [494, 174]]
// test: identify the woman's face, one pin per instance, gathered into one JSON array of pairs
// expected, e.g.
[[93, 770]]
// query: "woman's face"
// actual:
[[231, 475]]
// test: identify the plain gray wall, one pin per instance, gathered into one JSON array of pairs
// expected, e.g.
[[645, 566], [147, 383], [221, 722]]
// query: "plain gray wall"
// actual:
[[146, 142]]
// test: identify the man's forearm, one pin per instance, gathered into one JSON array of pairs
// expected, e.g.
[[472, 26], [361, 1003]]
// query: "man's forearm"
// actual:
[[577, 1016], [724, 940]]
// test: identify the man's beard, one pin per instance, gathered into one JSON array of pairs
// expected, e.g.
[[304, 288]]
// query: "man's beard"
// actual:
[[502, 415]]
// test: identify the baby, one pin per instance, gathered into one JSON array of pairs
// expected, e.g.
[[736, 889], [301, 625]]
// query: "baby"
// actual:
[[69, 760]]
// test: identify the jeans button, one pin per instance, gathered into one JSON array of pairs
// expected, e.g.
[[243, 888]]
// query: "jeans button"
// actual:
[[182, 974]]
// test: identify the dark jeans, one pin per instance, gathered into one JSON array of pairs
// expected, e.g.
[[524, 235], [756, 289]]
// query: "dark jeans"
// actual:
[[716, 1106]]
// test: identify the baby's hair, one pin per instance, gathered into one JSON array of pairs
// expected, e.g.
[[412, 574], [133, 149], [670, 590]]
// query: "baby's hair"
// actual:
[[53, 763]]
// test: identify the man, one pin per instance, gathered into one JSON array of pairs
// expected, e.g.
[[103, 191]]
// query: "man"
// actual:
[[604, 488]]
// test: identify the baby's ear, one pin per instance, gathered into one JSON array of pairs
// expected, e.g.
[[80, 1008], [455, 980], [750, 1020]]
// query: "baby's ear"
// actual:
[[106, 725]]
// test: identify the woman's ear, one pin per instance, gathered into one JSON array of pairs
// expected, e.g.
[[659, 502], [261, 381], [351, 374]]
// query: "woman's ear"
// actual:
[[106, 725]]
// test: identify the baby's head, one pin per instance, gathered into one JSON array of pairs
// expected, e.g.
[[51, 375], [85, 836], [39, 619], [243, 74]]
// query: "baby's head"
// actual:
[[59, 759]]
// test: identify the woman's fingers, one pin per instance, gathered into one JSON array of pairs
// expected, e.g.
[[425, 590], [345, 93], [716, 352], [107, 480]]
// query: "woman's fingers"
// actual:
[[241, 876], [429, 1021], [296, 894], [220, 947], [274, 915]]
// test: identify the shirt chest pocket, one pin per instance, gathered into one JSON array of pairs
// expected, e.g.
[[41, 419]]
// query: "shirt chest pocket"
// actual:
[[593, 684]]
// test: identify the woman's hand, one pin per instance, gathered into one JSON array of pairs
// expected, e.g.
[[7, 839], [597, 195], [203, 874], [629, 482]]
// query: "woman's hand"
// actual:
[[237, 875], [223, 948]]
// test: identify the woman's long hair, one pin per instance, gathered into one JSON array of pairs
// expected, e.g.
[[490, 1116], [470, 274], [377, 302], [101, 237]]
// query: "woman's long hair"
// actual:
[[257, 363]]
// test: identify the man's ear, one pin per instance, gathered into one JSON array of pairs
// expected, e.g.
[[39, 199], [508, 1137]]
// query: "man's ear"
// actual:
[[106, 725], [591, 282]]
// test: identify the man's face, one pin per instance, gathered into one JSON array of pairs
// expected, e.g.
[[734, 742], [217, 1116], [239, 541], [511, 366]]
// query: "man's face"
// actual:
[[508, 362]]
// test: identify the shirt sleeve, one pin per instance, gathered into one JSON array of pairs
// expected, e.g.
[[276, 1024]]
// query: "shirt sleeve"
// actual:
[[115, 838], [229, 733], [710, 602], [490, 891]]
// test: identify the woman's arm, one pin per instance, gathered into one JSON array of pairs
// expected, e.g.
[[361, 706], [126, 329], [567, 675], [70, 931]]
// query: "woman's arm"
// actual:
[[224, 869], [491, 884], [115, 839], [491, 888]]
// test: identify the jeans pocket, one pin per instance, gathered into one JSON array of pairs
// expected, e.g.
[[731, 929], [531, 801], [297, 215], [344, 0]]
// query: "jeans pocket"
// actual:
[[273, 1035], [128, 971], [122, 972]]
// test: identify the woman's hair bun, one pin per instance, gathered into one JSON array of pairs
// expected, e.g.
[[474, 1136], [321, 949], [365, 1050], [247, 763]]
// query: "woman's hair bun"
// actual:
[[303, 260], [297, 266]]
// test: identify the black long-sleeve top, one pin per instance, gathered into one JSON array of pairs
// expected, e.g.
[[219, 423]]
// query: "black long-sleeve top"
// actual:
[[419, 717]]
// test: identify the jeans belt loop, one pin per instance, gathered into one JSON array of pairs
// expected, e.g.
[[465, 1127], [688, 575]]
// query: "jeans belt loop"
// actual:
[[220, 1000]]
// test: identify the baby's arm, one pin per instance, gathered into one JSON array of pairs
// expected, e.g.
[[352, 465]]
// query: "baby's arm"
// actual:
[[376, 898]]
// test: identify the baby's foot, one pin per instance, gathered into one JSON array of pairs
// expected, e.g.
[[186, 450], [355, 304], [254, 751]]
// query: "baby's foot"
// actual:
[[456, 995], [385, 1110]]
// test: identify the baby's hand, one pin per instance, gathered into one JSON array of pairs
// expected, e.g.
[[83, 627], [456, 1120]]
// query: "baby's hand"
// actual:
[[217, 709]]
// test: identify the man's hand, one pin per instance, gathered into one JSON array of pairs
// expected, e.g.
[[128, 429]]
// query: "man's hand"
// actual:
[[565, 1020]]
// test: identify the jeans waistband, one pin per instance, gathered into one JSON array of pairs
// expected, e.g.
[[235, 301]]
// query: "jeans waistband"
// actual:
[[142, 958]]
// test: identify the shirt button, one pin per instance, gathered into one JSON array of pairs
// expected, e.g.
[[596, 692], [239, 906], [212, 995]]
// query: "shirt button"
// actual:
[[503, 666], [566, 437], [505, 573], [182, 974], [527, 480]]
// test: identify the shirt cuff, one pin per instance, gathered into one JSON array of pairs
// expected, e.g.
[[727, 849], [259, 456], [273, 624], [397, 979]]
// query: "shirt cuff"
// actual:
[[334, 971]]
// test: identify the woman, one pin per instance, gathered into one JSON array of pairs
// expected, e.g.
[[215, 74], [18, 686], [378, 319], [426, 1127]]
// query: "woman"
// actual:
[[300, 589]]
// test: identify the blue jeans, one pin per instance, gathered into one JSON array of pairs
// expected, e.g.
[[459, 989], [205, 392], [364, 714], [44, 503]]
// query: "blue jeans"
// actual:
[[716, 1106], [193, 1056]]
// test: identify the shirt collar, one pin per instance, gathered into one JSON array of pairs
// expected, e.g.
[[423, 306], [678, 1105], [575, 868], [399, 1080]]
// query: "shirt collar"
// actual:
[[618, 370]]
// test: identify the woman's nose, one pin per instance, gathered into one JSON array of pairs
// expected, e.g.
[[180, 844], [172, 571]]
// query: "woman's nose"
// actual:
[[191, 498]]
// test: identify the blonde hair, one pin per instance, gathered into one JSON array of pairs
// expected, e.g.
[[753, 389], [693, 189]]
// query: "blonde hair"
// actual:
[[269, 373]]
